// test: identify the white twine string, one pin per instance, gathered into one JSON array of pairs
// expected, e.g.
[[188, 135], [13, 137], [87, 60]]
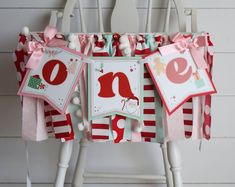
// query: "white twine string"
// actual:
[[29, 183]]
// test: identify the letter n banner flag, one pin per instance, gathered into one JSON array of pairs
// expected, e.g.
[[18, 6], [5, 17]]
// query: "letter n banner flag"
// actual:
[[115, 87]]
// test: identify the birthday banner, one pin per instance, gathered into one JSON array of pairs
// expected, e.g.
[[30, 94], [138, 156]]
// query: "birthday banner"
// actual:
[[178, 70]]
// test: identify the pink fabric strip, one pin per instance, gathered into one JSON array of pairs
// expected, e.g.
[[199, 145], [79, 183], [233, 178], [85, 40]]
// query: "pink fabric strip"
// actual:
[[197, 118], [174, 126], [33, 120]]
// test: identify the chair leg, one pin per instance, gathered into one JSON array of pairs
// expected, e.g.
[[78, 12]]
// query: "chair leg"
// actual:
[[175, 163], [169, 180], [78, 176], [65, 155]]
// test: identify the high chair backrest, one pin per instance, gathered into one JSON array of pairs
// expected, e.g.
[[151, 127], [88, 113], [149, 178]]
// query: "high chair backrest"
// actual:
[[70, 4]]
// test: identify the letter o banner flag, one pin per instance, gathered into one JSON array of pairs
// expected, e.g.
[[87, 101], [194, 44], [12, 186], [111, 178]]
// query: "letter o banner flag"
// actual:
[[54, 78]]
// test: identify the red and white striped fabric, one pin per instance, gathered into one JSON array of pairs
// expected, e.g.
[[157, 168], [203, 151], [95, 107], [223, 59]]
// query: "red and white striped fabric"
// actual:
[[99, 48], [59, 124], [188, 118], [141, 46], [148, 132], [47, 112], [62, 125], [100, 129]]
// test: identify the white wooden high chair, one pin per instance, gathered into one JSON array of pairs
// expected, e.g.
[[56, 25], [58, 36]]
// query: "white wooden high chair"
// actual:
[[171, 155]]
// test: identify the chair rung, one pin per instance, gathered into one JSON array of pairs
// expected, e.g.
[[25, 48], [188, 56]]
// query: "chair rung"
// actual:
[[125, 176]]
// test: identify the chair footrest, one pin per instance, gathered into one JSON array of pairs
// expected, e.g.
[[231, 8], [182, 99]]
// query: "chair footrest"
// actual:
[[125, 176]]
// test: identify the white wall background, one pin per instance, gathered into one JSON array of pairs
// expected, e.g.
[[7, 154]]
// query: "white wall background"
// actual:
[[213, 166]]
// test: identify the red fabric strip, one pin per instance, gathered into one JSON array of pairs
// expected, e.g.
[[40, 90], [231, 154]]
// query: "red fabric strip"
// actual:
[[148, 87], [60, 135], [100, 126], [187, 111], [149, 99], [149, 111], [100, 54], [60, 123], [48, 124], [147, 139], [188, 122], [47, 114], [148, 134], [97, 137], [149, 123], [188, 133], [147, 75]]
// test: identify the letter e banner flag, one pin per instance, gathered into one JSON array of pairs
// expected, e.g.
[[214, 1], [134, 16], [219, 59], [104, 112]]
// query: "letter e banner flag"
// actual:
[[177, 78]]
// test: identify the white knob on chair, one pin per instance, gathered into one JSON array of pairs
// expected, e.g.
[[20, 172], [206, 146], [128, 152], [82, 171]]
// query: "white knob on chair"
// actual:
[[76, 101], [59, 14], [25, 31], [125, 45], [78, 113], [81, 127]]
